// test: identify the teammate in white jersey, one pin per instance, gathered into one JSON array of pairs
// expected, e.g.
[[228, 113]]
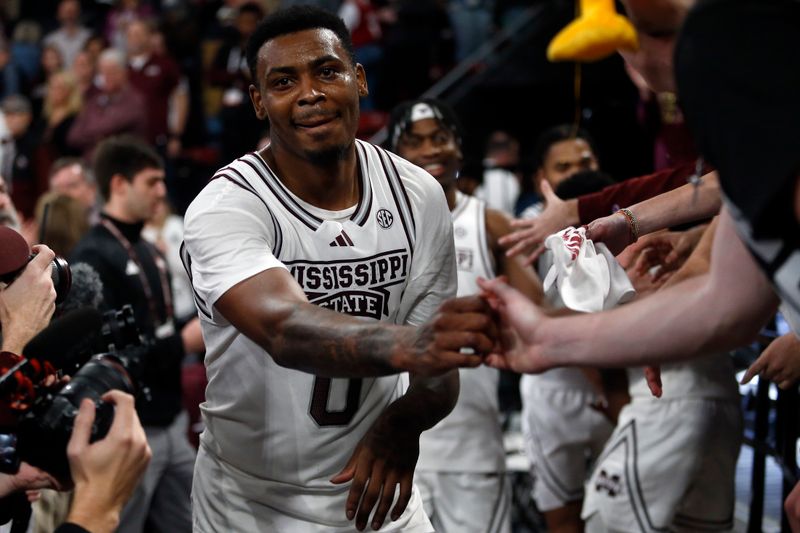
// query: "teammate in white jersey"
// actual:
[[462, 460], [302, 400]]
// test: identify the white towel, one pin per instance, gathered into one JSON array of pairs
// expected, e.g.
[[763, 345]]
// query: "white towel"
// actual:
[[587, 276]]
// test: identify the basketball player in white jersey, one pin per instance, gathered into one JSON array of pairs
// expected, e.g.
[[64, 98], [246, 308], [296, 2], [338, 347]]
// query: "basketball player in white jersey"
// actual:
[[462, 460], [311, 423]]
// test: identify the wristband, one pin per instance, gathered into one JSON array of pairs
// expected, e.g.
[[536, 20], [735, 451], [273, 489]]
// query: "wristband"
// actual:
[[633, 224]]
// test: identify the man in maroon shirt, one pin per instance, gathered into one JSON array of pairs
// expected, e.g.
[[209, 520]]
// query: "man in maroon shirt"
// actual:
[[115, 107], [155, 77]]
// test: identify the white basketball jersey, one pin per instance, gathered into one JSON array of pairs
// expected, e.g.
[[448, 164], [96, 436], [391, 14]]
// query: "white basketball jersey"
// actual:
[[470, 438], [287, 431]]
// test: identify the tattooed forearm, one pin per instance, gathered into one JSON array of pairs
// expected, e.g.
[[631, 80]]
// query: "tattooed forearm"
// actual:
[[332, 345]]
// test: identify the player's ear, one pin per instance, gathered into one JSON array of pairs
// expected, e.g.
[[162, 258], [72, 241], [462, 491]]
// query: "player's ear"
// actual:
[[258, 106], [361, 80]]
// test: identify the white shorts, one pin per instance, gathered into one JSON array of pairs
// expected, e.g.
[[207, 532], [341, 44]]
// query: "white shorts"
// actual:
[[459, 502], [563, 435], [225, 500], [670, 465]]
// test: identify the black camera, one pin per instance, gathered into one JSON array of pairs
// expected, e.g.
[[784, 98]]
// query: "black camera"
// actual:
[[60, 273], [44, 426]]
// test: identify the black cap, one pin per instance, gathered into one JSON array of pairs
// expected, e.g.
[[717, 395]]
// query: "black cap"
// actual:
[[737, 67]]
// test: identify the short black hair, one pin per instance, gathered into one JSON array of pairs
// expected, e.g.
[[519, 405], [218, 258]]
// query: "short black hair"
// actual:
[[400, 119], [556, 134], [293, 20], [583, 182], [126, 155]]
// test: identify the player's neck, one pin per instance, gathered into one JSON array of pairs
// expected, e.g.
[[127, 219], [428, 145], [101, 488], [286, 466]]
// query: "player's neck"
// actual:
[[333, 185], [450, 194]]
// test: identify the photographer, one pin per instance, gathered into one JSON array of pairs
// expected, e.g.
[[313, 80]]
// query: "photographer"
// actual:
[[104, 473], [130, 176]]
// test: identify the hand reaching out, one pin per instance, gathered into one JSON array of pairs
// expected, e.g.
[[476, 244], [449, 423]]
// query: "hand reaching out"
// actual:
[[667, 250], [779, 363], [531, 233], [613, 231]]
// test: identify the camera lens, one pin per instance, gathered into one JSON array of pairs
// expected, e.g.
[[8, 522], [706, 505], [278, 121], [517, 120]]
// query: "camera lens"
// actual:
[[61, 275]]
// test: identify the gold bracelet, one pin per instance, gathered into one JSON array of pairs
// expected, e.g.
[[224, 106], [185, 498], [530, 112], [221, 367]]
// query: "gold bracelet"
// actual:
[[633, 224]]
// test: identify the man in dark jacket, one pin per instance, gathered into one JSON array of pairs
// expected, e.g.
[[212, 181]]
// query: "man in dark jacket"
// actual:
[[130, 176]]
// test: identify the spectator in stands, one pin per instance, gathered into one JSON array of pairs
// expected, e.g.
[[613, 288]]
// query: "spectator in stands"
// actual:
[[62, 103], [25, 189], [114, 109], [69, 177], [84, 69], [156, 77], [123, 13], [51, 61], [26, 48], [95, 46], [67, 222], [11, 78], [241, 130], [70, 37]]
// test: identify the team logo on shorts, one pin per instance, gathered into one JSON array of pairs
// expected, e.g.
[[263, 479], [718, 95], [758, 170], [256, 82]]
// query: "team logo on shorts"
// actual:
[[384, 218]]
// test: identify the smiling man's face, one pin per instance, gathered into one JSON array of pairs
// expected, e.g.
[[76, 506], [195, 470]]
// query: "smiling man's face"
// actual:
[[308, 88], [432, 146]]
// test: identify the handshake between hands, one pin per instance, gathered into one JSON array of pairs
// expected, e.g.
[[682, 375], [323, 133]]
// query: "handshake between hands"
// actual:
[[496, 328]]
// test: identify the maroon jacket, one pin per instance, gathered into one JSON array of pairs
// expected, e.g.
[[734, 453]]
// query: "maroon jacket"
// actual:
[[155, 81], [632, 191], [106, 114]]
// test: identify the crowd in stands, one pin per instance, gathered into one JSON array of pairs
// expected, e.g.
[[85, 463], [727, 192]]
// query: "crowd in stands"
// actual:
[[73, 72]]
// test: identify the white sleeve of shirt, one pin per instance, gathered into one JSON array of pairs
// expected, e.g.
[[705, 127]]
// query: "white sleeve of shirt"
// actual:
[[229, 236], [432, 278]]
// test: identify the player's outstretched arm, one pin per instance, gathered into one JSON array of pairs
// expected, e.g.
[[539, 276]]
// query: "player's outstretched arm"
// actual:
[[272, 310], [384, 460], [720, 310]]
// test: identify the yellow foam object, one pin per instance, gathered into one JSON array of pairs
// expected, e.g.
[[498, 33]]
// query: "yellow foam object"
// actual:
[[597, 33]]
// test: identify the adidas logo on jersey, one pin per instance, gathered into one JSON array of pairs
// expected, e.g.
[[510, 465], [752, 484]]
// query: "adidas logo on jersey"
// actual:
[[342, 240]]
